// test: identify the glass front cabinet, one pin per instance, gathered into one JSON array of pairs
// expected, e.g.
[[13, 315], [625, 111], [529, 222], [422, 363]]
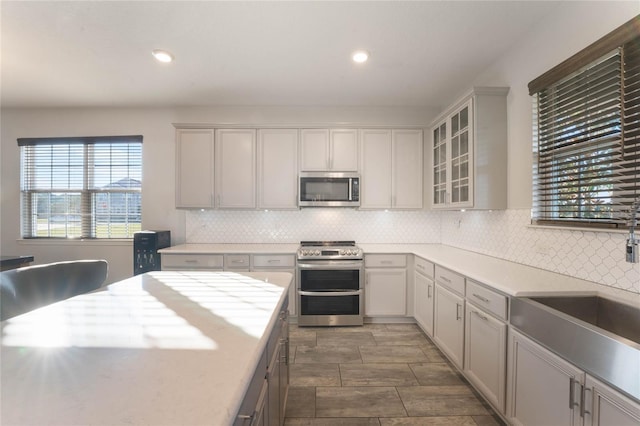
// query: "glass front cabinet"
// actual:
[[469, 153]]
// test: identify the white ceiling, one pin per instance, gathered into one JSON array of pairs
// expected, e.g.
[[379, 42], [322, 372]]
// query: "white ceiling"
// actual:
[[89, 53]]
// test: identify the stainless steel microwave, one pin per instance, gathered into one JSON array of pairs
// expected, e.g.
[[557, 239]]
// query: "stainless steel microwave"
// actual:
[[329, 189]]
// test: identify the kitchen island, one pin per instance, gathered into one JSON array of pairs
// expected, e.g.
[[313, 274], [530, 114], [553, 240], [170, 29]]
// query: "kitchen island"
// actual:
[[159, 348]]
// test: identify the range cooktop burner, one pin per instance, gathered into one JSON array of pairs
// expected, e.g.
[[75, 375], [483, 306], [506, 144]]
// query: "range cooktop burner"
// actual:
[[329, 250]]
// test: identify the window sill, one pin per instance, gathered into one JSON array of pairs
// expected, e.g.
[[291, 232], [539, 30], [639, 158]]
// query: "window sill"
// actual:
[[577, 228], [74, 242]]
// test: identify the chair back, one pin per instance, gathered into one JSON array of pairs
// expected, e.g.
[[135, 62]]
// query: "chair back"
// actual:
[[25, 289]]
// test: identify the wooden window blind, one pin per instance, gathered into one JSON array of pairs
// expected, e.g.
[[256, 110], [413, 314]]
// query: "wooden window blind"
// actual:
[[81, 187], [587, 142]]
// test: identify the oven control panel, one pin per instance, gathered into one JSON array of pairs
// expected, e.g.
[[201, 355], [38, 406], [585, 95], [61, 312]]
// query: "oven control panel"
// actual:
[[345, 253]]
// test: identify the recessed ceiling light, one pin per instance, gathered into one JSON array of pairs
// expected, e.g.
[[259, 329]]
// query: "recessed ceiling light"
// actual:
[[360, 56], [162, 56]]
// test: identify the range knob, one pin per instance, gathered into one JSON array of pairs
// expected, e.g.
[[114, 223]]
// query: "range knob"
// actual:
[[317, 252]]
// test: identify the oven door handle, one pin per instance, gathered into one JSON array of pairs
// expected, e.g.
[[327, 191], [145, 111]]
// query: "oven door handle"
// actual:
[[329, 293], [331, 265]]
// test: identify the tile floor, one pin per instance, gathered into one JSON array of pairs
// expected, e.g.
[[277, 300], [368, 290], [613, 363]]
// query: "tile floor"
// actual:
[[377, 375]]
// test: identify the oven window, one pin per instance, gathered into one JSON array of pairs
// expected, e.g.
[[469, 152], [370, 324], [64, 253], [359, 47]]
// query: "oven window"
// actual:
[[329, 280], [329, 305]]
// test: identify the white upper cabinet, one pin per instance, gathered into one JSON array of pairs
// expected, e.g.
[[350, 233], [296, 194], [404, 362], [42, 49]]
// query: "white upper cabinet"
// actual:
[[375, 190], [235, 168], [194, 168], [407, 169], [468, 152], [391, 169], [277, 168], [329, 150]]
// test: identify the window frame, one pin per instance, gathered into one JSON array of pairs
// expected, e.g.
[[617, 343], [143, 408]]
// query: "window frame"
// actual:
[[84, 223], [617, 184]]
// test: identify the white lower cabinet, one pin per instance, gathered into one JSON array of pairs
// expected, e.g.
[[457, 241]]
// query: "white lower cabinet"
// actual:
[[485, 354], [424, 295], [609, 407], [385, 285], [448, 325], [278, 263], [544, 389]]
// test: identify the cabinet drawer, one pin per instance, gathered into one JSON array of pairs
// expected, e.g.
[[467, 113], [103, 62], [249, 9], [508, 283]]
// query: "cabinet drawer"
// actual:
[[192, 261], [450, 279], [424, 267], [385, 261], [274, 261], [487, 299], [236, 261]]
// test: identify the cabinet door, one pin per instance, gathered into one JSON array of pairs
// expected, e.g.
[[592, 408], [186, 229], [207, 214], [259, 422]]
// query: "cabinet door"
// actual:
[[274, 389], [448, 326], [485, 354], [314, 150], [606, 406], [194, 168], [343, 154], [375, 190], [439, 159], [236, 168], [423, 302], [407, 169], [543, 389], [277, 168], [461, 148], [385, 292]]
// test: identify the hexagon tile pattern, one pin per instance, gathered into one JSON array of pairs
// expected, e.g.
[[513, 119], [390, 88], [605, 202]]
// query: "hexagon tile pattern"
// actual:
[[505, 234]]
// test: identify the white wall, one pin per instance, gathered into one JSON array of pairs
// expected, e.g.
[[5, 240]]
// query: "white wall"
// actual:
[[595, 256], [158, 187]]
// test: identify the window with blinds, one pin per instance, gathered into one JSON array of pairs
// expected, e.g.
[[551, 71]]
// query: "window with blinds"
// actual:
[[81, 187], [587, 142]]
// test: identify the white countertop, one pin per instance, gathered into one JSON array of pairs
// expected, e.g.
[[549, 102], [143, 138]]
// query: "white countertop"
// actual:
[[513, 279], [231, 249], [160, 348]]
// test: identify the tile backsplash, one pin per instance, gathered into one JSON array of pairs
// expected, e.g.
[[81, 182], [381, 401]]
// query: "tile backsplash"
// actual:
[[506, 234]]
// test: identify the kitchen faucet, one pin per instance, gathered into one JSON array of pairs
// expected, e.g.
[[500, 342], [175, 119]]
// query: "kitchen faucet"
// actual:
[[632, 241]]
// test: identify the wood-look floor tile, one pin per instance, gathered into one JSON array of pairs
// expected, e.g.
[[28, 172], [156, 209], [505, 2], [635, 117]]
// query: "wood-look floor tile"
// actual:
[[428, 421], [314, 374], [327, 354], [301, 402], [488, 421], [377, 375], [387, 354], [345, 421], [388, 337], [328, 338], [358, 402], [436, 374], [441, 401]]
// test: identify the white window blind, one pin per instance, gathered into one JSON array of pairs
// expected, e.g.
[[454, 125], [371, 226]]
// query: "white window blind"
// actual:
[[81, 187], [587, 143]]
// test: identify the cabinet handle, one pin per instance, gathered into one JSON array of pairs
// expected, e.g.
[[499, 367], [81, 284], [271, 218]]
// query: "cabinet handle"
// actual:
[[583, 393], [445, 279], [238, 261], [482, 317], [386, 262], [274, 261], [572, 392], [429, 291], [419, 266], [192, 261], [484, 299], [458, 317]]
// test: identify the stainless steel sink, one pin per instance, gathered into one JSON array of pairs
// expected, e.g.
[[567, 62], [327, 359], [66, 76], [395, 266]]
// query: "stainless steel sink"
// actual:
[[599, 336], [617, 318]]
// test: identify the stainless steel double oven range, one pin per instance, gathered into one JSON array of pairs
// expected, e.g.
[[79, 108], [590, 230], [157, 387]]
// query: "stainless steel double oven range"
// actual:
[[330, 283]]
